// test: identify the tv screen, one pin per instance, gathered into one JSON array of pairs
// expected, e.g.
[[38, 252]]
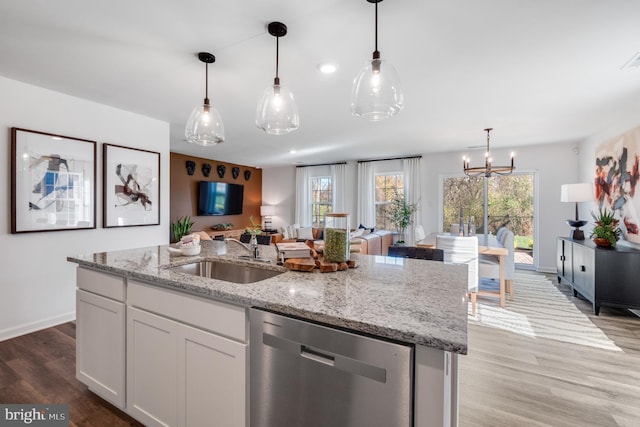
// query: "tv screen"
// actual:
[[220, 198]]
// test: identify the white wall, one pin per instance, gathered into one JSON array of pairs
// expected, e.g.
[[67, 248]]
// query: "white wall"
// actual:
[[554, 164], [37, 285], [279, 189]]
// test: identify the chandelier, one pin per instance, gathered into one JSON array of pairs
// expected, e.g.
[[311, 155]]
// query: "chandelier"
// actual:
[[488, 169]]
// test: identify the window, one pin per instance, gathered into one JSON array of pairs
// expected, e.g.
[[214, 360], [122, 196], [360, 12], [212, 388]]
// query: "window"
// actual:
[[511, 204], [387, 187], [321, 199]]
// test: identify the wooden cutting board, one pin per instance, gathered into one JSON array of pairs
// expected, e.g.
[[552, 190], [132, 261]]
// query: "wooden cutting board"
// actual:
[[309, 264], [300, 264]]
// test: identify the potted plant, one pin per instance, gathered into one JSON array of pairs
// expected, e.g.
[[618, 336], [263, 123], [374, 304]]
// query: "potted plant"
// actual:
[[606, 231], [181, 227], [254, 229], [401, 215]]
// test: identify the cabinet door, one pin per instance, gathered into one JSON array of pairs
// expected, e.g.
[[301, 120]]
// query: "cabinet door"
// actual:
[[152, 385], [212, 376], [100, 346], [584, 271]]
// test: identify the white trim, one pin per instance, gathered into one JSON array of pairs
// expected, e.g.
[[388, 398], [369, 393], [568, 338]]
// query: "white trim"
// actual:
[[28, 328]]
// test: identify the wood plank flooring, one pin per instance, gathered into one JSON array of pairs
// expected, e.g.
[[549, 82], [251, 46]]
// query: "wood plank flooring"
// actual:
[[505, 380], [513, 380], [39, 368]]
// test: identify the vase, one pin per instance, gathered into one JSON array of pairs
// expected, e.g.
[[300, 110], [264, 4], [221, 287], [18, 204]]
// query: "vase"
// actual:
[[602, 242]]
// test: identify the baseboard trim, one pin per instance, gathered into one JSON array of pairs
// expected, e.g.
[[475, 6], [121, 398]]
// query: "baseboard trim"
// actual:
[[28, 328]]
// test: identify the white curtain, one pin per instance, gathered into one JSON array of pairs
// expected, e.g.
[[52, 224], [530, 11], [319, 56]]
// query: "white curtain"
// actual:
[[303, 197], [339, 184], [366, 195], [411, 169]]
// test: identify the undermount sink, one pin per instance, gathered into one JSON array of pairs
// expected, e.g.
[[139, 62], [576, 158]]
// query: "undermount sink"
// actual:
[[226, 271]]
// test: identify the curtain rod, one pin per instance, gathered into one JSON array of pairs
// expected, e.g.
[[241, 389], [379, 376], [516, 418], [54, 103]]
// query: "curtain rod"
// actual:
[[391, 158], [321, 164]]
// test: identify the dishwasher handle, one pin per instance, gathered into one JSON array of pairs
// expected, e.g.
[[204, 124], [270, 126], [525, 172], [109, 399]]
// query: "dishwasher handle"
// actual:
[[316, 355]]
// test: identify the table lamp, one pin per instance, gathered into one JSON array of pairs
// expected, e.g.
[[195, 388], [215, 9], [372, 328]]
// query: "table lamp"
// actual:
[[581, 192], [267, 212]]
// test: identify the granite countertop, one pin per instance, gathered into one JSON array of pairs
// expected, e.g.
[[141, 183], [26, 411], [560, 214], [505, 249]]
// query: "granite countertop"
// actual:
[[414, 301]]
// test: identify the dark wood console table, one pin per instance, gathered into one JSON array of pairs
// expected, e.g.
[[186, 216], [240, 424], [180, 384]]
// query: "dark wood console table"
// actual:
[[604, 276]]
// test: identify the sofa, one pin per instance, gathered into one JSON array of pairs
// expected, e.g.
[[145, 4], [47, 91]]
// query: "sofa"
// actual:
[[375, 243]]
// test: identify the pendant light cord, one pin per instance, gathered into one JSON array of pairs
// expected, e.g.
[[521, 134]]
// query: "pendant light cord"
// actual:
[[376, 27], [206, 83], [277, 80]]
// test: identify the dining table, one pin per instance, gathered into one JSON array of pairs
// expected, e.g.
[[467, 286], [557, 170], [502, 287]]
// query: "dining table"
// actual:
[[488, 246]]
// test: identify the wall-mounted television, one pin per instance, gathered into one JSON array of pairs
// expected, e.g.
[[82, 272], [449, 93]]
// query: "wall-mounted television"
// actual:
[[220, 198]]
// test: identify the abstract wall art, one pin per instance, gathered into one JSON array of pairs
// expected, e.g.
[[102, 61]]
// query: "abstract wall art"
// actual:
[[616, 180], [131, 186], [53, 182]]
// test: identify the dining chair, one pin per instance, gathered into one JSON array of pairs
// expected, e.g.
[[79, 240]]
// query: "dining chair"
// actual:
[[489, 265], [462, 250]]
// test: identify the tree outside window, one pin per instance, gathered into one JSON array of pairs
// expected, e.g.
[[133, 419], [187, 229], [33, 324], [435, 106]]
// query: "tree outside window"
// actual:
[[321, 200], [511, 204], [388, 188]]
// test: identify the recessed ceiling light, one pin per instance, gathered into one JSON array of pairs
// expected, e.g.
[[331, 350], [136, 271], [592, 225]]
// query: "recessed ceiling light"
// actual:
[[327, 68], [292, 151]]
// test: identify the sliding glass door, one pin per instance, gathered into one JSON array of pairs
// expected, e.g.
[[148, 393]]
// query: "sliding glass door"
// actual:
[[510, 204]]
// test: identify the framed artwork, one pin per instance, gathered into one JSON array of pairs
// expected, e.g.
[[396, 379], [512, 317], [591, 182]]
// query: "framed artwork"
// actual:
[[131, 186], [617, 176], [53, 182]]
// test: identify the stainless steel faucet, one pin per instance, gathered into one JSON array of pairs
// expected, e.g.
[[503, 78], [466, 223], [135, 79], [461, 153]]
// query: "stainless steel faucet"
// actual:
[[252, 247]]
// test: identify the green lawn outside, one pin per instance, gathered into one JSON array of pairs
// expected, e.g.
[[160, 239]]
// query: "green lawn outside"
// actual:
[[523, 242]]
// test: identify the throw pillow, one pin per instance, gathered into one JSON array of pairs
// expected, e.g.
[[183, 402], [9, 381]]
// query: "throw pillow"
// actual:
[[367, 230], [304, 233], [285, 233], [359, 232]]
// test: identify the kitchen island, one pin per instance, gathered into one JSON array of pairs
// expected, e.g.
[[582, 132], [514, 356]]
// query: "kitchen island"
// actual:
[[418, 302]]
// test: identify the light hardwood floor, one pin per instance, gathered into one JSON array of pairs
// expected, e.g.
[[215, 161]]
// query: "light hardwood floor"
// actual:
[[513, 380], [505, 380]]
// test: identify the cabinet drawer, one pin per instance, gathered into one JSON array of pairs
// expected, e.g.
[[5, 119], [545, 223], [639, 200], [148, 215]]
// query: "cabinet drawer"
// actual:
[[100, 283], [218, 317]]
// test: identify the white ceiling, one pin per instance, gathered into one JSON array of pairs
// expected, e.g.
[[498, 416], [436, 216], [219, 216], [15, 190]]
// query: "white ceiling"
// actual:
[[538, 71]]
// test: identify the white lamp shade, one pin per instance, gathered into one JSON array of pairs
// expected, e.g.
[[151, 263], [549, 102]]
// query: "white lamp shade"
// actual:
[[376, 95], [267, 210], [204, 126], [277, 113], [581, 192]]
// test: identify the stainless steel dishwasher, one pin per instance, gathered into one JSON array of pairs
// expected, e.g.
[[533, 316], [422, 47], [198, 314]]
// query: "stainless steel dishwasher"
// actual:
[[304, 374]]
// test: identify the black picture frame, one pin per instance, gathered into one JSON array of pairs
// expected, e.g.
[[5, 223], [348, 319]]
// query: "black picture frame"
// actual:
[[131, 186], [53, 182]]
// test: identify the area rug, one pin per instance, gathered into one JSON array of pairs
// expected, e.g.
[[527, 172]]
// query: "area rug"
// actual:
[[539, 309]]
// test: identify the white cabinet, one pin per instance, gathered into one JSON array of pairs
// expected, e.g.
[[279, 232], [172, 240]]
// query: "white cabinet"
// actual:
[[100, 335], [212, 385], [180, 374], [152, 379]]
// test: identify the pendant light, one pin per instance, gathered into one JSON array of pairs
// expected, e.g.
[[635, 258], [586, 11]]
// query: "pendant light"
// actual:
[[204, 126], [376, 93], [277, 113]]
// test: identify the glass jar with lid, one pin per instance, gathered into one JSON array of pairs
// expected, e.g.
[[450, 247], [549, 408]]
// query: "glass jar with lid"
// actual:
[[336, 237]]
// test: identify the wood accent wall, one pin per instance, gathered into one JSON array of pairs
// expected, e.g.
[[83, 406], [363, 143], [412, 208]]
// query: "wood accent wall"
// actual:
[[184, 192]]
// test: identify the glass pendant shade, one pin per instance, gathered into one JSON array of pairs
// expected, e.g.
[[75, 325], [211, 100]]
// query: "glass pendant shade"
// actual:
[[376, 93], [205, 126], [277, 113]]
